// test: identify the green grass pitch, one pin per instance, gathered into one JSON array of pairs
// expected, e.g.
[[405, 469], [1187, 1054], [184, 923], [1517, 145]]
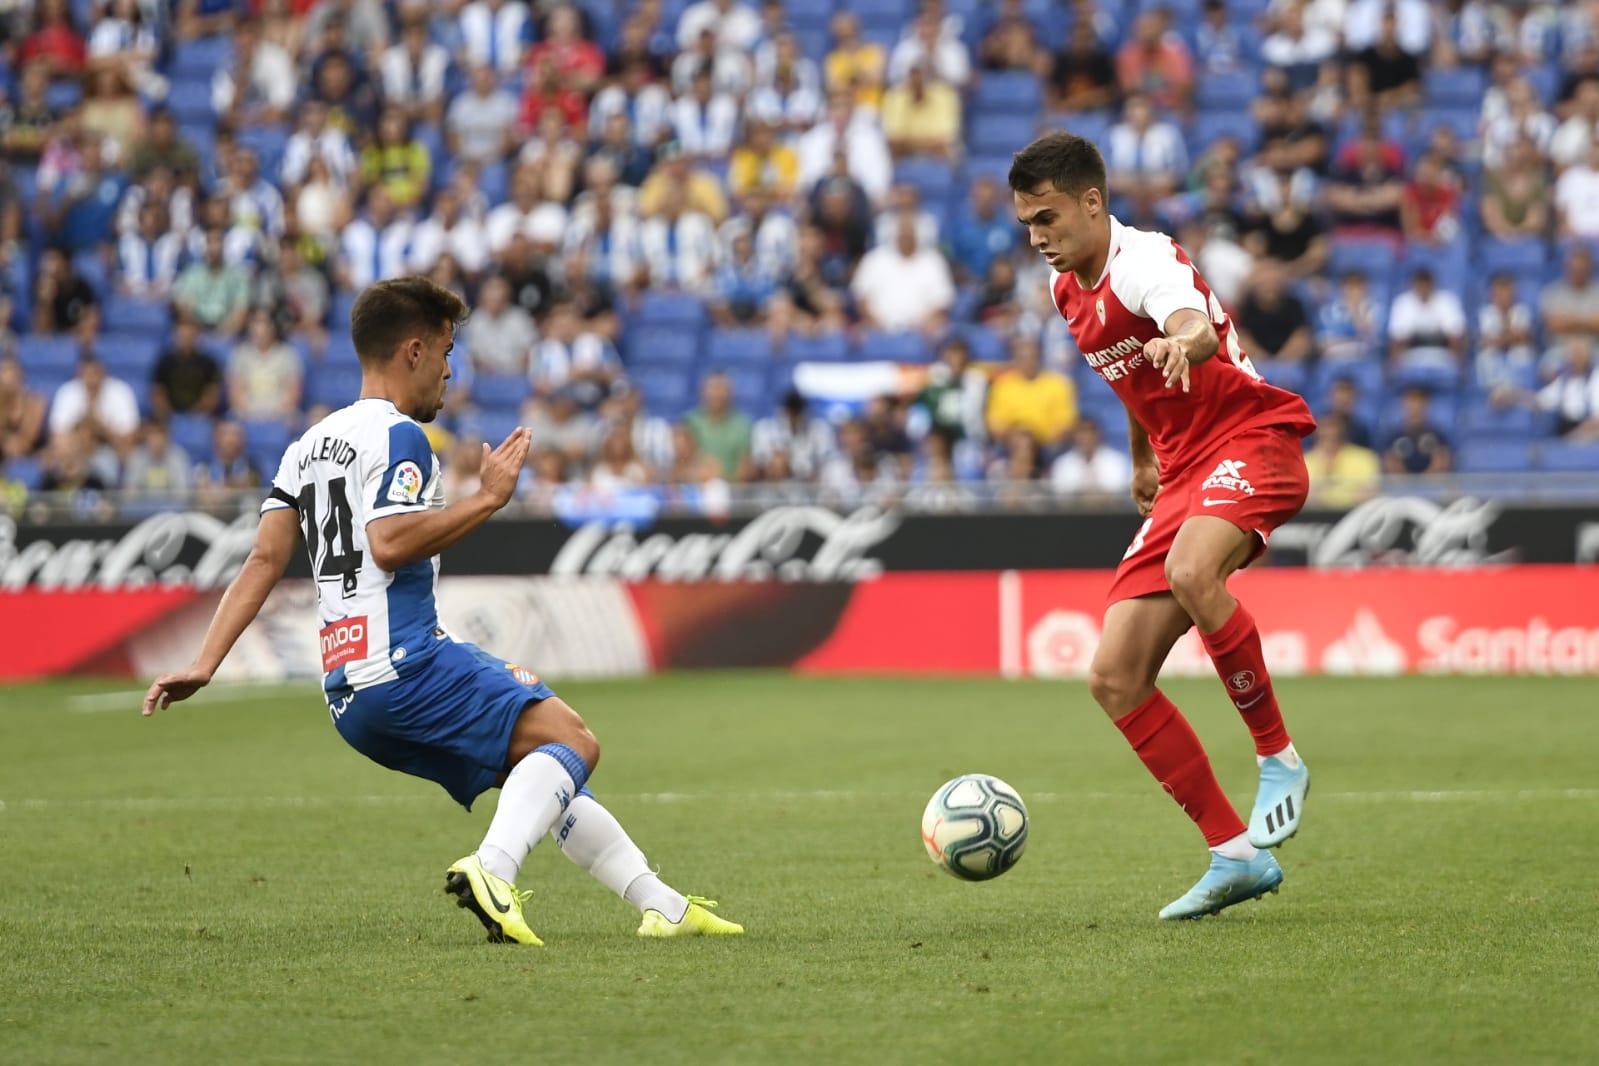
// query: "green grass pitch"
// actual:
[[228, 883]]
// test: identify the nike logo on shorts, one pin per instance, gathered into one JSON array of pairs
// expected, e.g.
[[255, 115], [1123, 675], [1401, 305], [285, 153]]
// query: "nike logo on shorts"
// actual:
[[1208, 502]]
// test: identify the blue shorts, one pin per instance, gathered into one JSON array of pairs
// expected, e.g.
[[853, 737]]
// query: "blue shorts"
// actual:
[[448, 718]]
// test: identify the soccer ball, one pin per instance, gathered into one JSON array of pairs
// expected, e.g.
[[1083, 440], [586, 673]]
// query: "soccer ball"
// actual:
[[975, 827]]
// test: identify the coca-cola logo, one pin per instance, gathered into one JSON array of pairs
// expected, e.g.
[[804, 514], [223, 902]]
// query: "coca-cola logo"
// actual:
[[773, 545], [1401, 531], [152, 552]]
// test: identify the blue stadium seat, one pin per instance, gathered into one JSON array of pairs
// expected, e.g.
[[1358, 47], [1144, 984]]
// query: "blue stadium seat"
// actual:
[[1092, 125], [500, 392], [1460, 87], [192, 433], [1545, 80], [1481, 420], [1452, 267], [1209, 127], [131, 314], [45, 353], [1462, 120], [265, 440], [268, 143], [740, 346], [668, 389], [994, 134], [129, 356], [1493, 457], [661, 344], [985, 345], [1229, 91], [991, 166], [882, 16], [494, 182], [1290, 374], [1441, 411], [63, 95], [895, 347], [933, 178], [492, 426], [1367, 375], [25, 470], [820, 348], [750, 389], [1433, 377], [341, 350], [339, 312], [1009, 92], [91, 267], [1570, 456], [676, 310], [202, 56], [332, 384], [190, 101], [1373, 258]]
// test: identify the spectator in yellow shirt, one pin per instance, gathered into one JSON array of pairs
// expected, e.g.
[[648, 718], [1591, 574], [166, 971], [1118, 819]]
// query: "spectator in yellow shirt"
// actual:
[[1341, 474], [702, 192], [760, 162], [855, 63], [397, 160], [1028, 397], [922, 116]]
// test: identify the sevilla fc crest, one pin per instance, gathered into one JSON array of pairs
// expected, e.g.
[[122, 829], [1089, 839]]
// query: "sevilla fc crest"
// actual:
[[1099, 309]]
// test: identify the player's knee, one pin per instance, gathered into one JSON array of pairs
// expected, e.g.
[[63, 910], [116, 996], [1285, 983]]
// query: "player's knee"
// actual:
[[585, 744], [1115, 688], [1189, 582]]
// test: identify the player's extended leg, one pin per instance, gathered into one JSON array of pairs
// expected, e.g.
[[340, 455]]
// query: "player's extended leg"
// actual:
[[1137, 636], [592, 838], [551, 755], [1207, 551]]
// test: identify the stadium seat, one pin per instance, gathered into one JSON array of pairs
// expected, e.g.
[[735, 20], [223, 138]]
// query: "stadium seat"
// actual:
[[749, 384], [1432, 376], [25, 471], [133, 314], [1461, 86], [500, 392], [265, 440], [820, 348], [985, 345], [675, 310], [661, 344], [63, 95], [1010, 92], [333, 384], [1570, 456], [1523, 258], [1481, 420], [91, 267], [339, 312], [884, 16], [192, 432], [739, 346], [189, 99], [1229, 91], [1451, 266], [491, 426], [933, 178], [903, 347], [1462, 120], [202, 56], [1208, 127], [341, 350], [995, 134], [1290, 374], [1367, 375], [1493, 457], [1373, 258], [667, 388], [44, 353], [267, 142], [129, 356]]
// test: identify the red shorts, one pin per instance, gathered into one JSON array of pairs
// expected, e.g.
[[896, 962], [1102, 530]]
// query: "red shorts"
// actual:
[[1257, 481]]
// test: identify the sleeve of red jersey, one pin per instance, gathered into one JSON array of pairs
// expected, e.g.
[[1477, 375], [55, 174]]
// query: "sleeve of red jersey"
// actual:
[[1151, 281]]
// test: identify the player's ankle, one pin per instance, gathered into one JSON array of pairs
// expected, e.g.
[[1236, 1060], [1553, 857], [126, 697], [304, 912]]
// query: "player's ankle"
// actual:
[[1238, 848], [1287, 756]]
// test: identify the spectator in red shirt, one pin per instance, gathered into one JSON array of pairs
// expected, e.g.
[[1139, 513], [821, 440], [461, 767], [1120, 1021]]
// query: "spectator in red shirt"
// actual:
[[545, 91], [1367, 185], [55, 41], [578, 63], [1156, 62], [1430, 208]]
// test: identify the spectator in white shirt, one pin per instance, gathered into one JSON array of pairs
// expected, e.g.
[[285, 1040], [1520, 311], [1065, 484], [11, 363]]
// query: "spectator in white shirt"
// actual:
[[264, 374], [449, 230], [412, 73], [1414, 19], [787, 103], [736, 25], [648, 106], [147, 261], [1146, 158], [1505, 334], [704, 121], [372, 248], [1089, 469], [478, 127], [1577, 199], [905, 201], [1524, 117], [903, 286], [572, 358], [793, 439], [315, 139], [495, 32], [259, 85], [731, 72], [1574, 136], [780, 57], [926, 40], [678, 244], [854, 132], [1573, 394], [499, 335], [1426, 324], [527, 194], [106, 406]]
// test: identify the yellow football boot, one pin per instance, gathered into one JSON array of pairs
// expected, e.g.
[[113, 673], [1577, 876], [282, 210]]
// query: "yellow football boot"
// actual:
[[497, 903], [697, 921]]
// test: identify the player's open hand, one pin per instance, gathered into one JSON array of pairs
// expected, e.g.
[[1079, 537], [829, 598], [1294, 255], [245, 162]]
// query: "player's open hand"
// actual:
[[170, 688], [1166, 355], [1146, 484], [502, 466]]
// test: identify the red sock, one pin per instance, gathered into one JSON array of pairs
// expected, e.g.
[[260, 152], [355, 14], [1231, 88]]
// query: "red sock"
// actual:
[[1235, 649], [1166, 742]]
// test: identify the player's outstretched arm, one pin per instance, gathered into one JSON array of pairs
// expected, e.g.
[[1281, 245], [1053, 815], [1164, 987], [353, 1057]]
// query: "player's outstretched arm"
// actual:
[[275, 539], [402, 539], [1190, 339]]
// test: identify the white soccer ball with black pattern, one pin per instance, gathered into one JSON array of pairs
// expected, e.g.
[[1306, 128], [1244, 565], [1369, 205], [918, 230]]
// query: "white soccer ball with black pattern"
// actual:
[[975, 827]]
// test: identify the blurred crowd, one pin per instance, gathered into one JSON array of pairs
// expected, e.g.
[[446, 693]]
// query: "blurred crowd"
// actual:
[[661, 212]]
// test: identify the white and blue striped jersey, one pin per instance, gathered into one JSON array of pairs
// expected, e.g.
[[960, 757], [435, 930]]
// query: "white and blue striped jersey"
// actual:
[[361, 463]]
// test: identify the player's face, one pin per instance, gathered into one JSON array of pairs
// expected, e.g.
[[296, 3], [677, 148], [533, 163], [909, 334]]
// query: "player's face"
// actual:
[[432, 374], [1063, 228]]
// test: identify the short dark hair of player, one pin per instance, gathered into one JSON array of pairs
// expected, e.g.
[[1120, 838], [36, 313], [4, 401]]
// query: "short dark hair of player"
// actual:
[[1068, 162], [389, 313]]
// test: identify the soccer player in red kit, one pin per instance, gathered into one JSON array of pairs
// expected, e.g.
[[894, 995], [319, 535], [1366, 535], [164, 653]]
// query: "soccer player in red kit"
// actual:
[[1217, 465]]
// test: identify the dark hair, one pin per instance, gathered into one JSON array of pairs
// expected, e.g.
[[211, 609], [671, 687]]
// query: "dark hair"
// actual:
[[389, 313], [1068, 162]]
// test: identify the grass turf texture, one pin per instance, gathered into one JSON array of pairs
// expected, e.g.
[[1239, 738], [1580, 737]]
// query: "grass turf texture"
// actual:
[[229, 883]]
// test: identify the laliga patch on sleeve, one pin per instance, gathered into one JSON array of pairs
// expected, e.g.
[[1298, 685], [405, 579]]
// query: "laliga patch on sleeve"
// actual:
[[406, 485]]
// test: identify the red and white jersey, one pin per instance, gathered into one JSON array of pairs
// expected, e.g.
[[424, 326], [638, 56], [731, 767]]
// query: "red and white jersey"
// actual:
[[1147, 278]]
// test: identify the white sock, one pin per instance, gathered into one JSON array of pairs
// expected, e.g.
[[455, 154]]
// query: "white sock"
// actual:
[[591, 836], [535, 793], [1238, 847], [1288, 755]]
